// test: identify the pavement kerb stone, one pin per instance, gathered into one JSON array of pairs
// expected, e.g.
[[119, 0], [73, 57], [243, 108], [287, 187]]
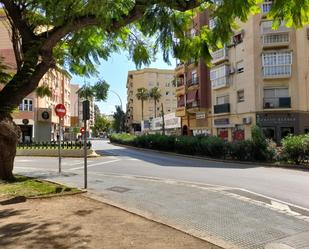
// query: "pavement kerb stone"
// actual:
[[285, 166], [56, 195], [147, 215]]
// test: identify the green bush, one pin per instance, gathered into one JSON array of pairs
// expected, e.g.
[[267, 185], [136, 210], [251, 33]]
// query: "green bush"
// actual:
[[241, 150], [126, 139], [293, 148], [186, 145], [260, 150], [212, 147]]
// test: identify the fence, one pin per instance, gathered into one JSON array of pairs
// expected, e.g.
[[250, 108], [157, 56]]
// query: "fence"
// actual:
[[54, 145]]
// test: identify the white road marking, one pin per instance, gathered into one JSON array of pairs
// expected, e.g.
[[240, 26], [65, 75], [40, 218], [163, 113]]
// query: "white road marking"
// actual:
[[23, 160], [96, 164]]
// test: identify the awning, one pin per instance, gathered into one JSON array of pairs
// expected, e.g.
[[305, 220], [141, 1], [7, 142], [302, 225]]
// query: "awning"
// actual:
[[192, 96]]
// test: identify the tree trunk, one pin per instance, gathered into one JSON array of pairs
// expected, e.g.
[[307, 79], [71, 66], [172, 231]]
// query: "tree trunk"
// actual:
[[9, 136], [142, 110], [155, 106]]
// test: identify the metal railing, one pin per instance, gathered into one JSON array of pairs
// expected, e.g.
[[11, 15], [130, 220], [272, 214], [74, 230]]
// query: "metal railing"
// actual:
[[54, 145], [282, 102], [272, 39], [277, 71]]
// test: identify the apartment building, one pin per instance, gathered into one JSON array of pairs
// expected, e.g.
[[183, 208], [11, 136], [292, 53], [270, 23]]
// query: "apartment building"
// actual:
[[149, 78], [261, 77], [193, 90], [35, 115]]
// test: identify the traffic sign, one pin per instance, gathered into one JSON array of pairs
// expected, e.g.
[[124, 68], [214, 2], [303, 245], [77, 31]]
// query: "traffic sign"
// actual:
[[60, 110], [82, 130]]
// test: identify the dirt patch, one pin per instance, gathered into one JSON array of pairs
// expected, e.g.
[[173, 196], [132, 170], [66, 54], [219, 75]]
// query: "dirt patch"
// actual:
[[79, 222]]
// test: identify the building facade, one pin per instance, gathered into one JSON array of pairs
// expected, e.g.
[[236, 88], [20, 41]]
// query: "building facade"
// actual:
[[261, 77], [193, 90], [149, 78], [36, 115]]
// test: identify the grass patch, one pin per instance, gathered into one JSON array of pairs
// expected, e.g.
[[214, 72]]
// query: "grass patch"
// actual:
[[31, 187]]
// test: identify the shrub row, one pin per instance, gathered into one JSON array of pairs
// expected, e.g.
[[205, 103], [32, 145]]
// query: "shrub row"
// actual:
[[53, 145], [249, 150]]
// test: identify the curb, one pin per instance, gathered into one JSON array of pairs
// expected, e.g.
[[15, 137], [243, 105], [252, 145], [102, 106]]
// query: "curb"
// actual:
[[56, 195], [285, 166]]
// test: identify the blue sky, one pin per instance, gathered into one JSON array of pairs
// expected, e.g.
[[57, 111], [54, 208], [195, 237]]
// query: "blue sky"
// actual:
[[115, 72]]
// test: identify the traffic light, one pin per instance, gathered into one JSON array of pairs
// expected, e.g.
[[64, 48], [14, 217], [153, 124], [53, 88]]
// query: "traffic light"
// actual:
[[86, 110]]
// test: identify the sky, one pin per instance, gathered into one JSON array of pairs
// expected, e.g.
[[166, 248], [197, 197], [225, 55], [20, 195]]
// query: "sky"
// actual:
[[115, 72]]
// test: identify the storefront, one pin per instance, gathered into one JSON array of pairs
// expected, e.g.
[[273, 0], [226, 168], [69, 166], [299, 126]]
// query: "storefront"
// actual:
[[280, 124]]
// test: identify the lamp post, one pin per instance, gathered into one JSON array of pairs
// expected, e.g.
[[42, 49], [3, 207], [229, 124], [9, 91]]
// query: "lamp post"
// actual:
[[118, 97]]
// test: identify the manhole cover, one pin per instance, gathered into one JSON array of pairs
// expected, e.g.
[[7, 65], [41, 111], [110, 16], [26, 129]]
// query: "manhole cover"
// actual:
[[118, 189]]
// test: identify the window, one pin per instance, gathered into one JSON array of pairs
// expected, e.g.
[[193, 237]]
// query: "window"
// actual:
[[277, 64], [240, 96], [240, 67], [266, 6], [193, 32], [218, 76], [223, 99], [276, 98], [26, 105], [167, 93], [194, 77], [212, 23], [238, 38]]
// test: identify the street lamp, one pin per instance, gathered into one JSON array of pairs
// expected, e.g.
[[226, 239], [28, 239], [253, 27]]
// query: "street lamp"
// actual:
[[118, 97]]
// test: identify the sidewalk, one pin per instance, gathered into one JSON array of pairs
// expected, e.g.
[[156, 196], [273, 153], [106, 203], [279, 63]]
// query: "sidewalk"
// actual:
[[213, 213], [79, 222]]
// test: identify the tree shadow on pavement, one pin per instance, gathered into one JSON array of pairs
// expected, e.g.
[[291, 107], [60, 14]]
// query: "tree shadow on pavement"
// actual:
[[39, 234]]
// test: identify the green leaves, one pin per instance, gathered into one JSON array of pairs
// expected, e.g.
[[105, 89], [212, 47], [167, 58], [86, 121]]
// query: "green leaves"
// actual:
[[43, 91], [142, 94], [98, 91]]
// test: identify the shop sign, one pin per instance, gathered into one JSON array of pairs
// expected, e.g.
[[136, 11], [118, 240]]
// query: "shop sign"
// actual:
[[222, 121], [200, 115], [275, 119]]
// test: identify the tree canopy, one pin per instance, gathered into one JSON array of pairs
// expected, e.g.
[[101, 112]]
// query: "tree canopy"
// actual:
[[77, 33]]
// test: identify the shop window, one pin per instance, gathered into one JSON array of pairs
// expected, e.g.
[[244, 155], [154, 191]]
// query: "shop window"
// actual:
[[238, 133], [240, 67], [270, 133], [240, 96], [223, 133], [285, 131]]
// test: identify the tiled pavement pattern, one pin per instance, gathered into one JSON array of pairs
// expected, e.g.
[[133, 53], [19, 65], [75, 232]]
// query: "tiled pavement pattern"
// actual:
[[210, 213]]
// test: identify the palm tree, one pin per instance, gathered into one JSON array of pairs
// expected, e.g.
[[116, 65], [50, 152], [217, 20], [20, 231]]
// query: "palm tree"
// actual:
[[142, 95], [155, 95]]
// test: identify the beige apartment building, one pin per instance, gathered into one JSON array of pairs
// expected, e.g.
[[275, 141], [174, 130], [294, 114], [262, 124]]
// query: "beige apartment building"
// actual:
[[149, 78], [261, 77], [35, 115]]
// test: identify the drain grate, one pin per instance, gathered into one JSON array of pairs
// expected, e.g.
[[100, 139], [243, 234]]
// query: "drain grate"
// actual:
[[118, 189]]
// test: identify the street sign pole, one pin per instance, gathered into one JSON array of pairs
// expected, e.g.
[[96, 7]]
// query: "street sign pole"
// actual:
[[60, 112], [85, 154], [86, 116], [59, 145]]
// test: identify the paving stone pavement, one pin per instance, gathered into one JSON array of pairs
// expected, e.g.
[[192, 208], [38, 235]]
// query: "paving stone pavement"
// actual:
[[208, 212]]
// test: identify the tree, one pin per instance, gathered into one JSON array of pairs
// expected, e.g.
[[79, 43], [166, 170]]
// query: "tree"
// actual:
[[101, 124], [119, 120], [155, 95], [98, 91], [76, 33], [142, 95]]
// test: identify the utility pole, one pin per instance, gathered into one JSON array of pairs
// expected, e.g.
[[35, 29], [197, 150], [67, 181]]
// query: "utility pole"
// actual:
[[163, 121]]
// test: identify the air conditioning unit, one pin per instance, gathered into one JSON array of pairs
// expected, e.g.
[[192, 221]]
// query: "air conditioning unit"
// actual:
[[232, 70], [44, 115], [247, 120]]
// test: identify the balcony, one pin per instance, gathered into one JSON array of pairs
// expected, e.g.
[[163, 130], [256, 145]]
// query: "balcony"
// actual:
[[276, 40], [220, 82], [222, 108], [277, 103], [180, 90], [267, 28], [180, 111], [193, 107], [219, 56], [277, 71], [193, 81]]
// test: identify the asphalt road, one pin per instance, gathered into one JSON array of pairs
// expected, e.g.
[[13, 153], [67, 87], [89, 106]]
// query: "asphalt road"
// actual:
[[286, 185]]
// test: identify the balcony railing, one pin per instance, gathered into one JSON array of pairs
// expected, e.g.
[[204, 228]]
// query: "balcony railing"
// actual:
[[194, 104], [267, 28], [283, 102], [222, 108], [220, 82], [275, 71], [180, 82], [193, 81], [219, 55], [276, 39]]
